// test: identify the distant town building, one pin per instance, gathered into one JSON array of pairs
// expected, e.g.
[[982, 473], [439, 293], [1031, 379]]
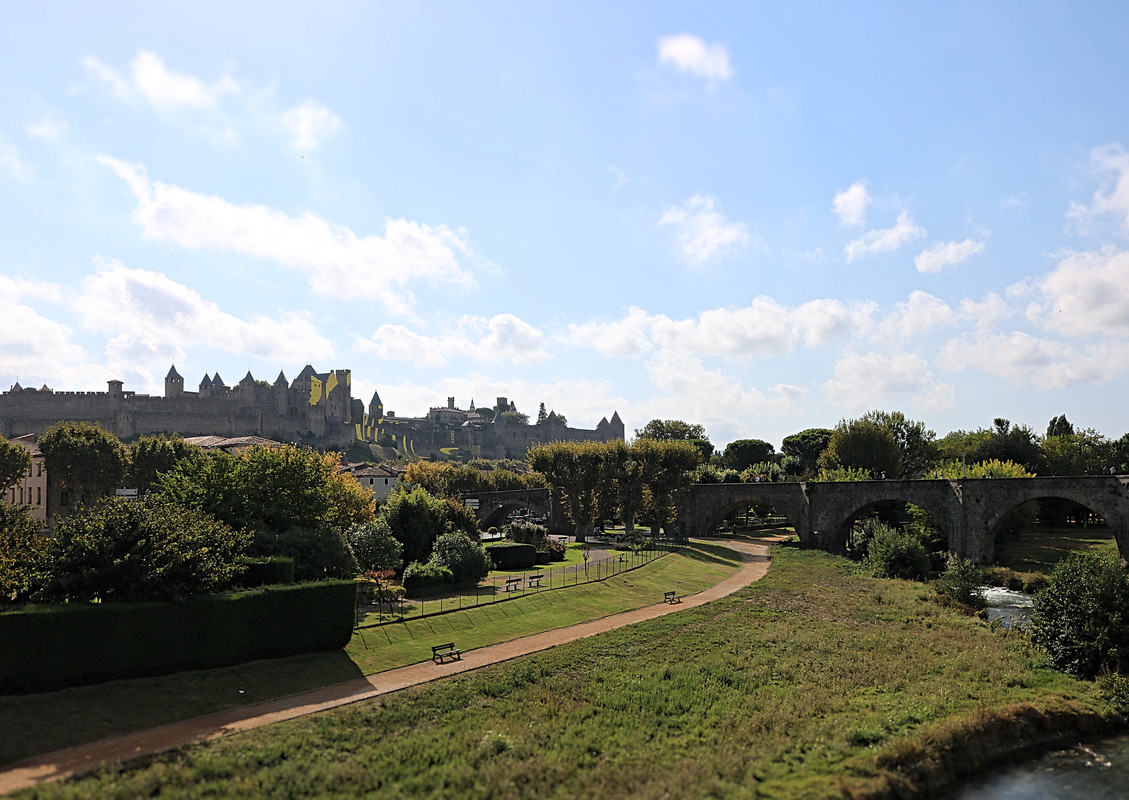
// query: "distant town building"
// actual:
[[315, 409]]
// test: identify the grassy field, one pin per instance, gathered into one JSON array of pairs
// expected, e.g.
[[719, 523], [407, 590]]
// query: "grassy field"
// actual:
[[817, 681], [32, 724], [1023, 560]]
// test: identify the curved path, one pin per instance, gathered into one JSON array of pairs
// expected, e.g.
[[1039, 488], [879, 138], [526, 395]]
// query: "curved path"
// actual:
[[88, 757]]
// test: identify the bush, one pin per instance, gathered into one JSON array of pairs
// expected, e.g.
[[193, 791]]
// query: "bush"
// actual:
[[528, 533], [1082, 617], [274, 571], [374, 546], [22, 554], [896, 553], [319, 553], [961, 582], [467, 560], [419, 576], [512, 555], [145, 549]]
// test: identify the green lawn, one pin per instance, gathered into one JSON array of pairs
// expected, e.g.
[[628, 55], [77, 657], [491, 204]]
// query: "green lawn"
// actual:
[[41, 723], [817, 681], [1039, 549]]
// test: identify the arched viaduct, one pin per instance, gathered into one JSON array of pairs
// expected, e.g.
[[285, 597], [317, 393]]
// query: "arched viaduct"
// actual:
[[968, 510]]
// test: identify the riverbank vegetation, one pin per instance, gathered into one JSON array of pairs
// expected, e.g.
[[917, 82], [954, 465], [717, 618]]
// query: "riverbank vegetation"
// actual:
[[817, 681]]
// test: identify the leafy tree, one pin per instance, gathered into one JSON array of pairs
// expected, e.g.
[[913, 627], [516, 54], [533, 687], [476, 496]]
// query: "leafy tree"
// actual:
[[914, 440], [85, 458], [15, 463], [955, 470], [743, 453], [1007, 442], [22, 553], [319, 552], [1086, 452], [670, 470], [962, 445], [152, 456], [467, 559], [512, 417], [962, 582], [862, 444], [1059, 426], [576, 471], [148, 549], [897, 553], [374, 546], [806, 446], [455, 515], [415, 519], [1081, 618], [766, 471], [675, 430]]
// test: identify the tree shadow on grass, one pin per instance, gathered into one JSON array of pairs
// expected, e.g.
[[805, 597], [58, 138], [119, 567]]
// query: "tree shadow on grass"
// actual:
[[712, 554]]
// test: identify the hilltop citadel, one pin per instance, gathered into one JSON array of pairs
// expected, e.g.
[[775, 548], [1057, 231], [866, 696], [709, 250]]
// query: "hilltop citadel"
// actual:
[[316, 409]]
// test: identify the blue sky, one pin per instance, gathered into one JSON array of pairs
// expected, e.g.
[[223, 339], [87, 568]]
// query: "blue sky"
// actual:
[[758, 217]]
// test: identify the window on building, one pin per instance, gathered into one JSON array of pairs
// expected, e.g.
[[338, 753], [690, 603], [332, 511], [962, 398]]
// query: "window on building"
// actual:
[[39, 495]]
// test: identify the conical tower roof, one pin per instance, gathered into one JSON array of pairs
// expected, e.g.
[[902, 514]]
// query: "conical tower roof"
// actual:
[[173, 374]]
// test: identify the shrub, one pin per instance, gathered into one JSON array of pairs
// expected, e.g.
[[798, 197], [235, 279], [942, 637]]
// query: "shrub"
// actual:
[[145, 549], [467, 560], [318, 552], [896, 553], [374, 546], [528, 533], [274, 571], [1082, 617], [22, 554], [961, 582], [419, 576], [512, 555]]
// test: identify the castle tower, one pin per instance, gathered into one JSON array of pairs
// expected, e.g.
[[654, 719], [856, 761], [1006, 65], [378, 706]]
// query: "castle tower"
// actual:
[[174, 384]]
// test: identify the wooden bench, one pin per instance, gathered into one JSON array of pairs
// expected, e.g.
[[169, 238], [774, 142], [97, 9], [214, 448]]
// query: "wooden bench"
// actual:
[[535, 581], [513, 584], [672, 598], [440, 652]]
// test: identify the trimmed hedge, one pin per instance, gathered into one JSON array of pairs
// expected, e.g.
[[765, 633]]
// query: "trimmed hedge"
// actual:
[[55, 646], [266, 571], [512, 555]]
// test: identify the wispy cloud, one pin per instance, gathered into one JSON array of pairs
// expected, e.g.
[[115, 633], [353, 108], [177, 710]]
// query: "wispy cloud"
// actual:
[[1110, 164], [690, 55], [160, 87], [338, 262], [946, 254], [702, 231], [311, 123], [885, 240]]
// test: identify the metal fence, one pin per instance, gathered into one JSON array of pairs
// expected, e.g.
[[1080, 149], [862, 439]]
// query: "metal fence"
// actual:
[[601, 565]]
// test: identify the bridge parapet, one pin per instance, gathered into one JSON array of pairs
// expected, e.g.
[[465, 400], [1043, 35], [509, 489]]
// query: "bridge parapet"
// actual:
[[493, 507]]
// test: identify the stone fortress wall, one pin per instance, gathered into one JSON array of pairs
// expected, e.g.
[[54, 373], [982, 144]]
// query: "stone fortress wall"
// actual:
[[315, 409]]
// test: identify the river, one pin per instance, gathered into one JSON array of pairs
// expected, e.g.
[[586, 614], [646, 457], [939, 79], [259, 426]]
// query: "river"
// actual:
[[1092, 771]]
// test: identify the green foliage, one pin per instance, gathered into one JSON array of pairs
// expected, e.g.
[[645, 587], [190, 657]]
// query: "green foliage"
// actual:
[[450, 479], [711, 473], [416, 519], [862, 444], [455, 515], [579, 472], [993, 468], [528, 533], [896, 553], [512, 555], [962, 583], [147, 549], [263, 571], [765, 471], [515, 417], [466, 559], [152, 456], [1086, 452], [843, 474], [319, 553], [675, 430], [743, 453], [1081, 618], [374, 546], [22, 553], [425, 575], [806, 446], [915, 442], [1059, 426], [15, 463], [85, 458]]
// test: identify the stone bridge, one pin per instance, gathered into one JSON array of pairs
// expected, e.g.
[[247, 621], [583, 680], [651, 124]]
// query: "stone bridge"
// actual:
[[968, 510], [494, 507]]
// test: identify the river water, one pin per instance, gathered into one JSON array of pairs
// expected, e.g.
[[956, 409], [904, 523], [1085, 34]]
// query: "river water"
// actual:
[[1091, 771], [1009, 607]]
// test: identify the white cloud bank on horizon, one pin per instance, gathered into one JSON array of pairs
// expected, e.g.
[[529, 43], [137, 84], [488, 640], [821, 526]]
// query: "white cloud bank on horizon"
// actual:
[[337, 261]]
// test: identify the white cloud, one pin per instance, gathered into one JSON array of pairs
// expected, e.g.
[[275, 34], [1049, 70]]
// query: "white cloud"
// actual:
[[946, 254], [161, 87], [850, 204], [1032, 361], [1087, 293], [1111, 165], [874, 380], [764, 328], [47, 128], [689, 54], [36, 349], [885, 240], [311, 123], [11, 162], [986, 312], [920, 313], [503, 337], [152, 319], [702, 231], [338, 261]]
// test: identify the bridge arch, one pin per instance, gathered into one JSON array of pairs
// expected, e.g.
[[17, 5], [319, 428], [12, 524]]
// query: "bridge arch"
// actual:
[[706, 505], [493, 507]]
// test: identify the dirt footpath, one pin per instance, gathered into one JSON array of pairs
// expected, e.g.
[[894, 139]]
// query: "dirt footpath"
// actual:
[[88, 757]]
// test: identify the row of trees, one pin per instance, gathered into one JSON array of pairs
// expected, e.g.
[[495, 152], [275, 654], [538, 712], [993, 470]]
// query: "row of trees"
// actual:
[[611, 480]]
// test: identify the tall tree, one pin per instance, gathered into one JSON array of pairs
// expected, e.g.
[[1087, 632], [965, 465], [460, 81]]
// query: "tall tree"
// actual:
[[675, 430], [669, 468], [1059, 426], [15, 461], [86, 459], [576, 471], [152, 456], [743, 453], [1086, 452], [862, 444], [542, 414], [916, 442], [807, 446]]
